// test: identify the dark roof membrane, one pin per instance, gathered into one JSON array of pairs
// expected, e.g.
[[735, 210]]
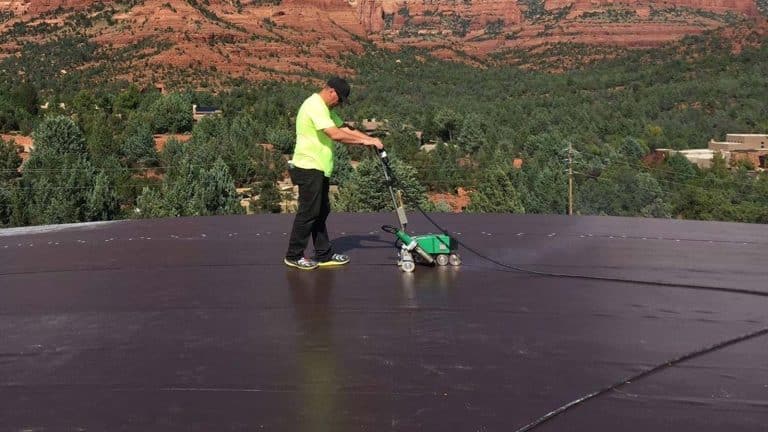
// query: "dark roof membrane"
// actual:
[[194, 323]]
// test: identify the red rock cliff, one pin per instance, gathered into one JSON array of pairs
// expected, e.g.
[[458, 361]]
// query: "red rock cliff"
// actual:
[[745, 7]]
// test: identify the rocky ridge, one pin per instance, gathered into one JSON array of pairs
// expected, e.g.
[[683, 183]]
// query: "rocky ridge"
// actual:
[[290, 39]]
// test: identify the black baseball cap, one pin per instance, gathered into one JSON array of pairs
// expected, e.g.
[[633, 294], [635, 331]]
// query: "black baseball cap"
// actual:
[[340, 86]]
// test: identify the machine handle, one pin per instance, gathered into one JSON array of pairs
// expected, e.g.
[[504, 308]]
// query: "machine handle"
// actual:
[[383, 155]]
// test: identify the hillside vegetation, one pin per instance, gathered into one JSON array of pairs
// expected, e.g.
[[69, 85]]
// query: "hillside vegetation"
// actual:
[[94, 157]]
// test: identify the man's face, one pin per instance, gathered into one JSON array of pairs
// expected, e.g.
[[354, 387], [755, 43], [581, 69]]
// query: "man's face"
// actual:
[[336, 99]]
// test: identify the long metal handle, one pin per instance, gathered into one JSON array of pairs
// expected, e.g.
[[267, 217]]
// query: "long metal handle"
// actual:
[[384, 160]]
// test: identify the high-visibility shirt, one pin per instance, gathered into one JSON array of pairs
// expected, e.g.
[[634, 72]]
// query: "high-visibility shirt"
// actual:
[[314, 149]]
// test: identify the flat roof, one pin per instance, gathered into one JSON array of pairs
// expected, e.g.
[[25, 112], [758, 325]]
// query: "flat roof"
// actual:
[[195, 324]]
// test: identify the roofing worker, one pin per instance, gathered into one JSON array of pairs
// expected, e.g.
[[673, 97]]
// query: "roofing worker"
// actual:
[[317, 127]]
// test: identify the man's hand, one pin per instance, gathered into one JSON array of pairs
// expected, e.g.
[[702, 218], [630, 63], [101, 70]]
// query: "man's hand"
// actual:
[[349, 136], [375, 142]]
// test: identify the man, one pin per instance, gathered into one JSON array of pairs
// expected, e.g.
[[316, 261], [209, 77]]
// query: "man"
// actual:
[[317, 127]]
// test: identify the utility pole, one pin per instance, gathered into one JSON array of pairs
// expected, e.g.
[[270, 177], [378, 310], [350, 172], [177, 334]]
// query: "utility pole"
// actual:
[[570, 177]]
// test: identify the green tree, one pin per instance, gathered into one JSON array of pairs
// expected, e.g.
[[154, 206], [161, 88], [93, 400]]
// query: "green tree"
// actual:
[[6, 203], [472, 136], [632, 149], [448, 123], [269, 198], [402, 143], [9, 161], [9, 116], [101, 138], [679, 169], [622, 191], [191, 190], [366, 190], [217, 194], [83, 106], [25, 97], [58, 136], [342, 165], [269, 165], [282, 138], [59, 182], [152, 204], [127, 101], [172, 114], [102, 202], [544, 189], [443, 169], [496, 192], [138, 147]]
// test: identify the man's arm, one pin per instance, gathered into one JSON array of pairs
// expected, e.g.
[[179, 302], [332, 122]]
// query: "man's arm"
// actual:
[[346, 135]]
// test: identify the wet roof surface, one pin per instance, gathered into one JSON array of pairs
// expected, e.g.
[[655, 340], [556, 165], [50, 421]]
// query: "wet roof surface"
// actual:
[[195, 324]]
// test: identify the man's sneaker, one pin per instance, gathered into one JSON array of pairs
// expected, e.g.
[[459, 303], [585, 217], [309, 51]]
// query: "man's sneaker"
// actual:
[[336, 260], [301, 263]]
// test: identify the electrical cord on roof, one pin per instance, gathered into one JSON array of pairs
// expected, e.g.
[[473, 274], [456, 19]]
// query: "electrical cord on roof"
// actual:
[[684, 357], [588, 277], [637, 376], [575, 276]]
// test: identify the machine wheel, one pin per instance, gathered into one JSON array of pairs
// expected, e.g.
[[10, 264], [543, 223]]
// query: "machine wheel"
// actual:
[[408, 266], [442, 259], [454, 260]]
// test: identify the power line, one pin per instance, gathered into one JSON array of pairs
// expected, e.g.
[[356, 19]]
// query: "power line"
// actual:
[[742, 195]]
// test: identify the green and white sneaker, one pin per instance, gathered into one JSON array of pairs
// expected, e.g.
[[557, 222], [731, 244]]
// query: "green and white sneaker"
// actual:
[[301, 263], [336, 260]]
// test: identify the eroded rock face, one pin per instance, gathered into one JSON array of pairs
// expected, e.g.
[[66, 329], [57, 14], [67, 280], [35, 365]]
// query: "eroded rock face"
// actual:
[[381, 15], [745, 7], [285, 39], [41, 6]]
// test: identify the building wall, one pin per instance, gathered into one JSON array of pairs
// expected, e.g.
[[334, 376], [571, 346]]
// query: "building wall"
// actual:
[[752, 141], [729, 146]]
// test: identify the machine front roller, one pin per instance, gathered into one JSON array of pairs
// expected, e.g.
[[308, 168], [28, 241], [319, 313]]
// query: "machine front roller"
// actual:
[[406, 262]]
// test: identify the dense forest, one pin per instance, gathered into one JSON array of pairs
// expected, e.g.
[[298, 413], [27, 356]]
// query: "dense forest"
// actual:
[[95, 158]]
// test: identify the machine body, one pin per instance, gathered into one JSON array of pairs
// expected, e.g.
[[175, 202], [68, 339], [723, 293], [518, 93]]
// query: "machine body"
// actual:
[[429, 249]]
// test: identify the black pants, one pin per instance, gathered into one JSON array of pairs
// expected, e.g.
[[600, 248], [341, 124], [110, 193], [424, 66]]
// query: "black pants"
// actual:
[[314, 208]]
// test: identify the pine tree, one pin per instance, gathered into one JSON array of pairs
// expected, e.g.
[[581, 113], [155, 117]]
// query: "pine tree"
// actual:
[[218, 191], [101, 139], [102, 202], [402, 143], [545, 188], [632, 149], [282, 138], [59, 178], [496, 193], [139, 146], [58, 135], [6, 206], [151, 204], [447, 122], [471, 136], [366, 190], [172, 114], [342, 165], [191, 190], [9, 161], [269, 198]]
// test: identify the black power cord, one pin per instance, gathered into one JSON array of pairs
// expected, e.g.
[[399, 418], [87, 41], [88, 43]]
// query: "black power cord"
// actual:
[[590, 277], [392, 180], [635, 377]]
